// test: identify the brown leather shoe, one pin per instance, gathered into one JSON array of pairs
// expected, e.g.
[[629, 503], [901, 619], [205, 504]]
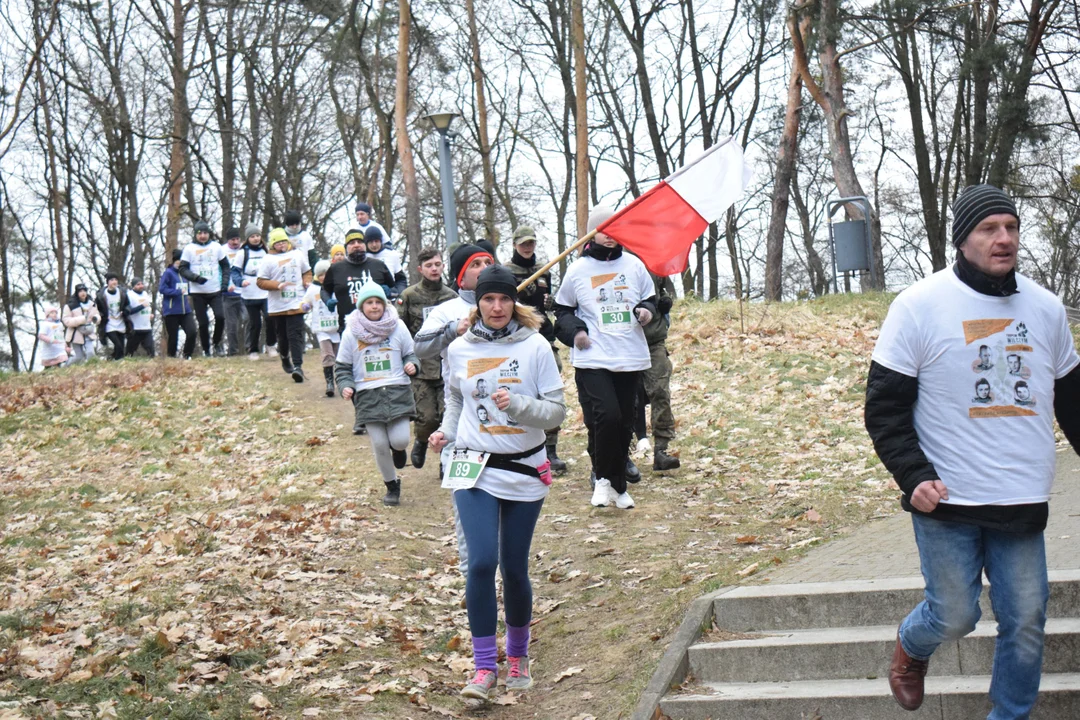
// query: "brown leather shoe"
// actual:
[[906, 676]]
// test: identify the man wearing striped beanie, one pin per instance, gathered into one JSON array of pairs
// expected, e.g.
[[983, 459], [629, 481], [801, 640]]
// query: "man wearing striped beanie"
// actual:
[[972, 447]]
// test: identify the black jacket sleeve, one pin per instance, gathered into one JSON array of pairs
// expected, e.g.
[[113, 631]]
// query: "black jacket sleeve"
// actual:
[[400, 283], [187, 273], [1067, 406], [567, 324], [649, 304], [890, 420]]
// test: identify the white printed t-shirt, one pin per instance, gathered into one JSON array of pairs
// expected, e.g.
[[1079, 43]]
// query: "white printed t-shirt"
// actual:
[[322, 320], [205, 261], [115, 321], [604, 294], [140, 319], [478, 369], [389, 258], [378, 365], [285, 267], [986, 368], [55, 346], [451, 311], [252, 291], [230, 255]]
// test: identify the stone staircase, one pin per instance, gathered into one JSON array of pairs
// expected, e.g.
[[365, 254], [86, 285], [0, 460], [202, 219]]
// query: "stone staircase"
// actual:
[[822, 650]]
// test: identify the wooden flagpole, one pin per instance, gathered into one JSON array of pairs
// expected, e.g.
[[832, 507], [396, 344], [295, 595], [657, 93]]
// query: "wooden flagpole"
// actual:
[[541, 271]]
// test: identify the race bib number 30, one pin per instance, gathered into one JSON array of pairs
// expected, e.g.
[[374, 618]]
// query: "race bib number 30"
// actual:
[[615, 318], [464, 469]]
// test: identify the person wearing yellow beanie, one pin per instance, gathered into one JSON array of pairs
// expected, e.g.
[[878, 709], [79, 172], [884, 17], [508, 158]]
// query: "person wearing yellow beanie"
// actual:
[[285, 274]]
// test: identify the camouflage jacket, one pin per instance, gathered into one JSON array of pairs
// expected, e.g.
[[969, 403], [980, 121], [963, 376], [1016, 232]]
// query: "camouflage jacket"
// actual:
[[414, 304]]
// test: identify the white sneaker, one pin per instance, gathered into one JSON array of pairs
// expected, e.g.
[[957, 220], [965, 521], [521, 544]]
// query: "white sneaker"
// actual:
[[602, 493], [271, 351], [624, 501], [253, 356], [643, 447]]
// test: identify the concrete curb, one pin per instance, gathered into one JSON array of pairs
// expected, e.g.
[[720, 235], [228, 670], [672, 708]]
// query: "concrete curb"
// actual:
[[675, 664]]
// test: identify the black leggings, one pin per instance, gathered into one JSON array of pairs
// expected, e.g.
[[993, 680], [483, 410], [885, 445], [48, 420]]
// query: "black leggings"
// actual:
[[141, 339], [290, 337], [173, 325], [116, 339], [202, 301], [608, 401], [257, 317]]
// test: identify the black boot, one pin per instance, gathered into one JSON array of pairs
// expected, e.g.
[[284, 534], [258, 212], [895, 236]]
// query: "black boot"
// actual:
[[558, 466], [633, 475], [419, 454], [328, 373], [297, 374], [399, 457], [393, 493], [662, 461]]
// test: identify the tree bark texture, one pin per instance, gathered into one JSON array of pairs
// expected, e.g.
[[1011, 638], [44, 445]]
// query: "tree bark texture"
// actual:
[[404, 146]]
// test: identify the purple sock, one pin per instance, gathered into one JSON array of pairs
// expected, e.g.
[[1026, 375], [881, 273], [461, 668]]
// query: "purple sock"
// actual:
[[485, 653], [517, 641]]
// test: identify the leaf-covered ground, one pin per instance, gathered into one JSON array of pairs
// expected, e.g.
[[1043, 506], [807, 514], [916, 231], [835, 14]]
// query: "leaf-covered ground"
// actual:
[[206, 539]]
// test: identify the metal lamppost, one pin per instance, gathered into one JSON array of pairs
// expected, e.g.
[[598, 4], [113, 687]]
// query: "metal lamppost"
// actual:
[[441, 121]]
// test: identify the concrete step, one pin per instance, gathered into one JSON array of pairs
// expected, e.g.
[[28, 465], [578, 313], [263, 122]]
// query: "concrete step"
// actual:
[[947, 698], [862, 652], [766, 608]]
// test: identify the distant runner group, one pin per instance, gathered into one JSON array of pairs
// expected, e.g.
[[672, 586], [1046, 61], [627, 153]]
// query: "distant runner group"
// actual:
[[471, 362]]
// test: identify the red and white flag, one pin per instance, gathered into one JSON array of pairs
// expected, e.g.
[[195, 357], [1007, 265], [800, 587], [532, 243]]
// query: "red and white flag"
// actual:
[[661, 225]]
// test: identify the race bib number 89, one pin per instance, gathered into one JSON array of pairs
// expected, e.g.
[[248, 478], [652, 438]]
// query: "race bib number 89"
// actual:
[[464, 469]]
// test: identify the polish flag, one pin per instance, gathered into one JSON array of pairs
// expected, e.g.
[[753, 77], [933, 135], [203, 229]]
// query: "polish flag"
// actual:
[[661, 225]]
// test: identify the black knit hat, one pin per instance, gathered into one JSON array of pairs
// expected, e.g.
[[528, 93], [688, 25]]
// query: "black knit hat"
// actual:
[[292, 217], [973, 205], [111, 276], [363, 207], [202, 226], [231, 233], [373, 233], [496, 279], [461, 258], [177, 253]]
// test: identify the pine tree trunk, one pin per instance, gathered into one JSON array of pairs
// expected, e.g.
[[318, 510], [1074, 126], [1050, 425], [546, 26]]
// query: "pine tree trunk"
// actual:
[[581, 169], [785, 168], [404, 146], [481, 117]]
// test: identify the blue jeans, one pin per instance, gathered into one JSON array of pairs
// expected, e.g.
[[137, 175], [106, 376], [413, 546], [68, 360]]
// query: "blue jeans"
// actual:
[[499, 535], [953, 556]]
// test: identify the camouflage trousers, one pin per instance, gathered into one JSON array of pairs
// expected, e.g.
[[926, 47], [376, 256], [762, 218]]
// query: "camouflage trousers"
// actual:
[[657, 381], [430, 404]]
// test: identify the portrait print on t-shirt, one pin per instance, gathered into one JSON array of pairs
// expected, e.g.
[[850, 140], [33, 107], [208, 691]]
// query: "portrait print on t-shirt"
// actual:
[[1003, 388], [483, 374], [615, 313]]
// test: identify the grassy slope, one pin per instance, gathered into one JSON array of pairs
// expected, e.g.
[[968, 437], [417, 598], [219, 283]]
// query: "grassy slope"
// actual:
[[202, 539]]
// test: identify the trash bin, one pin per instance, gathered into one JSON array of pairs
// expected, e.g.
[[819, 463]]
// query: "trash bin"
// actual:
[[849, 241]]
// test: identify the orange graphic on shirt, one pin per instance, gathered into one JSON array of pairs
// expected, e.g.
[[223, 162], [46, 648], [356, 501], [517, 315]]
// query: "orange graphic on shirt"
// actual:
[[999, 411], [598, 280], [501, 430], [479, 366], [1019, 348], [979, 329]]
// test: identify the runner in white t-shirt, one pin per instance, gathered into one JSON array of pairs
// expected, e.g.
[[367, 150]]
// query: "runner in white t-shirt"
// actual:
[[505, 391], [141, 315], [323, 322], [204, 264], [244, 275], [373, 239], [605, 299], [446, 323], [971, 368], [53, 350], [286, 275], [373, 368], [301, 239]]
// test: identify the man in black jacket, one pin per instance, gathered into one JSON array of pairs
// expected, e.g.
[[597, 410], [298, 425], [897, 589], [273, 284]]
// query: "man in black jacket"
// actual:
[[975, 469], [112, 303], [344, 279]]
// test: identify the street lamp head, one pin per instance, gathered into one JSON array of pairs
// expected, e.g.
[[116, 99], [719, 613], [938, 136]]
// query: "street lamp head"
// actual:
[[442, 119]]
